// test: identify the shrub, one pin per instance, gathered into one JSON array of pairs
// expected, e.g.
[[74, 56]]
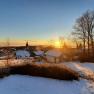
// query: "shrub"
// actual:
[[4, 72], [86, 58], [46, 70]]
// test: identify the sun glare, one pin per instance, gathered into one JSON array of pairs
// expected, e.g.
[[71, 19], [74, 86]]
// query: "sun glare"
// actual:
[[57, 44]]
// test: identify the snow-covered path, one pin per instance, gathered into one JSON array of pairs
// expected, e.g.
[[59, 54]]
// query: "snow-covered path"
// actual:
[[86, 71], [82, 69]]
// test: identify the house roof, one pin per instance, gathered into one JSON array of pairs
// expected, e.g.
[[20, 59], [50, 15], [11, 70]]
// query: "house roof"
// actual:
[[54, 53], [22, 53], [40, 53]]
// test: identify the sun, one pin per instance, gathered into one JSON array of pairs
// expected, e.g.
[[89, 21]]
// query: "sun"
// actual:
[[57, 44]]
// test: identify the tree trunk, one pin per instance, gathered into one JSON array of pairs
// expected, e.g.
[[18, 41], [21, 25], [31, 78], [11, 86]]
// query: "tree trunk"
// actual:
[[88, 45], [92, 44], [84, 46]]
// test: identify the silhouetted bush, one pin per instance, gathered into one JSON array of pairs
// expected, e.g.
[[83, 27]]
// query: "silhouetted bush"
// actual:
[[86, 58], [4, 72], [46, 70]]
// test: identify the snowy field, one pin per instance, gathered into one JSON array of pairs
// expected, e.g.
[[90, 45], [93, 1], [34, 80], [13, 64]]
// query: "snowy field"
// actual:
[[36, 85], [85, 69], [18, 84]]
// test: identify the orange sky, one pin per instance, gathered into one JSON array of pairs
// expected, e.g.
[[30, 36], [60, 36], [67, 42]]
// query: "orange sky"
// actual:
[[23, 42], [15, 42]]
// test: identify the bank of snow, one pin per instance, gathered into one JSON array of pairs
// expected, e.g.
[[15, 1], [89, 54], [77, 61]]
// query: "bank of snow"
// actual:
[[88, 65], [36, 85]]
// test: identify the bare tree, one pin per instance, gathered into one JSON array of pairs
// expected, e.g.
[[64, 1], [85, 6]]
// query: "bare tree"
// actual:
[[79, 33], [76, 41], [84, 28], [89, 22]]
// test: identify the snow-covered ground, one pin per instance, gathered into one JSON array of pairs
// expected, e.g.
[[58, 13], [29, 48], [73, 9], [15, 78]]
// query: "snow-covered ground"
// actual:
[[36, 85], [88, 65], [84, 69], [22, 54]]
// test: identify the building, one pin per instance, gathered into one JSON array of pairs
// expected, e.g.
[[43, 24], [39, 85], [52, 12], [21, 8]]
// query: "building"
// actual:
[[54, 55], [22, 54]]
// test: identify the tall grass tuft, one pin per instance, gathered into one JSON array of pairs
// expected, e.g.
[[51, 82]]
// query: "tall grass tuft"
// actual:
[[46, 70]]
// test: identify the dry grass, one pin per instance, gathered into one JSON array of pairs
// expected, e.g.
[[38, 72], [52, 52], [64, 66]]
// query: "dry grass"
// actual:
[[46, 70]]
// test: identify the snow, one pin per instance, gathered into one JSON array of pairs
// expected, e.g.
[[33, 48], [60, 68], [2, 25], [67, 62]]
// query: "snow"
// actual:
[[17, 84], [22, 54], [88, 65], [39, 53], [77, 65], [54, 53], [36, 85], [84, 69], [89, 88]]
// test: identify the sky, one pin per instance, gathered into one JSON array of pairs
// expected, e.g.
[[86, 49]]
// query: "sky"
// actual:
[[39, 20]]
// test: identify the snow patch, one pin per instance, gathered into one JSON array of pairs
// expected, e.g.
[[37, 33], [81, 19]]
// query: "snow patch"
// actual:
[[54, 53], [39, 53], [22, 54], [36, 85]]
